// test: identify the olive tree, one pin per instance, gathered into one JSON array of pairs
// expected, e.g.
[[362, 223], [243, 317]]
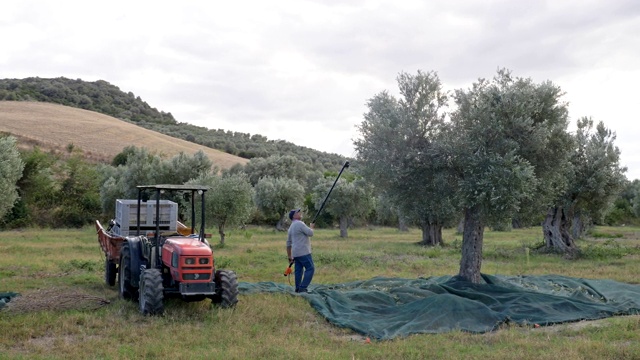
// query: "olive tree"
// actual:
[[594, 181], [183, 167], [508, 141], [348, 200], [276, 166], [229, 201], [11, 167], [401, 152], [275, 196], [144, 168]]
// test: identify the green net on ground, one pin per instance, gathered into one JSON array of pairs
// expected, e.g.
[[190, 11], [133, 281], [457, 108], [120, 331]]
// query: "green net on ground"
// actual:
[[385, 308], [5, 297]]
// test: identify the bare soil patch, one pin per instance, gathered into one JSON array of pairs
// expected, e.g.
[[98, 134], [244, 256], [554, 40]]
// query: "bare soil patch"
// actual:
[[55, 299]]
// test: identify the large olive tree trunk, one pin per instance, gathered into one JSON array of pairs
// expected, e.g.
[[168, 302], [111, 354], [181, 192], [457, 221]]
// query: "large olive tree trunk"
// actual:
[[557, 231], [472, 239], [431, 234]]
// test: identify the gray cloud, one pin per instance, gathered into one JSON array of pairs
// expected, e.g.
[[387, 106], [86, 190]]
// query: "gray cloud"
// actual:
[[282, 68]]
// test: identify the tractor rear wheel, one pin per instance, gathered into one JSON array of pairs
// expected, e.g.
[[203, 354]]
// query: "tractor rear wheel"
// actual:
[[151, 292], [109, 272], [127, 291], [226, 289]]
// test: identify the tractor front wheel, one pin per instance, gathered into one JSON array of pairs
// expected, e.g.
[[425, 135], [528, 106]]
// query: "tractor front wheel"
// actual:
[[226, 289], [127, 291], [109, 272], [151, 292]]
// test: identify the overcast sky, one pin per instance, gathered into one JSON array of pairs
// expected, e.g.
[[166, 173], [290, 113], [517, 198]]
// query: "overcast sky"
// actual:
[[302, 71]]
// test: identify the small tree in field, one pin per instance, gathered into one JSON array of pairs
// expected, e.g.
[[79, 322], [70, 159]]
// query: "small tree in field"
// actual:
[[229, 201], [401, 152], [276, 196], [348, 200], [594, 181]]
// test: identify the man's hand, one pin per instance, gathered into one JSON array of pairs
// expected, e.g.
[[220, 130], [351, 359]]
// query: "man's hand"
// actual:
[[312, 225]]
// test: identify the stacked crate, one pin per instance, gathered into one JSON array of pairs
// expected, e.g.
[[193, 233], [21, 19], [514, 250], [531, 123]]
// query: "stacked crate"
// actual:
[[126, 215]]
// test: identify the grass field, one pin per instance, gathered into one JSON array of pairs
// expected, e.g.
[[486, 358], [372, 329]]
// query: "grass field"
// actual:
[[48, 263], [53, 127]]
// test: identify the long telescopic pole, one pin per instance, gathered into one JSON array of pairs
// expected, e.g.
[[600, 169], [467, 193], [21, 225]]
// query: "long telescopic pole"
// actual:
[[346, 165]]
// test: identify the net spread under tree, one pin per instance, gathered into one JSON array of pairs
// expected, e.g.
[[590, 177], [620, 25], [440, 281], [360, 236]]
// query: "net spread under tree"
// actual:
[[386, 308]]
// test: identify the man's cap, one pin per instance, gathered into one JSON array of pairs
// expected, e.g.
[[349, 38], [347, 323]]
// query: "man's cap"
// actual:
[[293, 212]]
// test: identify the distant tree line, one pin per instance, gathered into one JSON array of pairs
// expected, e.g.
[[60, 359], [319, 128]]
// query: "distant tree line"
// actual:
[[56, 190], [102, 97]]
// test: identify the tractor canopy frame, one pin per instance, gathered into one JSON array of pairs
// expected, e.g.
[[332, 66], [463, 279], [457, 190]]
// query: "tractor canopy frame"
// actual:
[[158, 190]]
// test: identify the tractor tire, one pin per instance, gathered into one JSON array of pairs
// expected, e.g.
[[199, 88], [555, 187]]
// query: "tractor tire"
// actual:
[[226, 289], [151, 292], [109, 272], [127, 291]]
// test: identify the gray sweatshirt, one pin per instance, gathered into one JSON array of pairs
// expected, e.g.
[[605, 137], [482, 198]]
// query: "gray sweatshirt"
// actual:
[[298, 238]]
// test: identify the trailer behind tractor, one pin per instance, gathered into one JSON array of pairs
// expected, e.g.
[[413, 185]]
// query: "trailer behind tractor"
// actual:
[[164, 258]]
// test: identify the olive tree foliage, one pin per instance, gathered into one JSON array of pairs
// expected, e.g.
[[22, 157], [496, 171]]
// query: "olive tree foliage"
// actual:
[[182, 168], [507, 138], [55, 191], [11, 166], [277, 166], [594, 181], [37, 188], [347, 202], [386, 212], [229, 200], [633, 190], [144, 168], [275, 196], [401, 152], [77, 199]]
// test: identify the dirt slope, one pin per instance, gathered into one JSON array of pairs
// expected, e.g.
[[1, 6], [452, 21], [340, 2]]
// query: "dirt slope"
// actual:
[[53, 127]]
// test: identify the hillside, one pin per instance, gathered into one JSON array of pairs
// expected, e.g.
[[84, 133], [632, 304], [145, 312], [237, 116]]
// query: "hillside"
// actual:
[[105, 98], [54, 127]]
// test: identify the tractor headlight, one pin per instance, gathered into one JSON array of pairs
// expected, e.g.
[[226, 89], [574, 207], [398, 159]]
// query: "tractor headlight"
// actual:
[[190, 261], [203, 261]]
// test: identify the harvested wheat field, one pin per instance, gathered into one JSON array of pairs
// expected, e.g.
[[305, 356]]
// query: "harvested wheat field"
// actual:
[[54, 127]]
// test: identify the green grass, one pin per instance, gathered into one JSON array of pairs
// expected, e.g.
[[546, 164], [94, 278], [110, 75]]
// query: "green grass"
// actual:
[[279, 326]]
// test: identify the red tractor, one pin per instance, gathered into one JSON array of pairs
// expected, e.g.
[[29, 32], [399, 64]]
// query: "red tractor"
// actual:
[[164, 258]]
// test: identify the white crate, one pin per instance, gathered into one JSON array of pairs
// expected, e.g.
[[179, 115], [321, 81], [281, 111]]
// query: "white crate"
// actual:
[[127, 212]]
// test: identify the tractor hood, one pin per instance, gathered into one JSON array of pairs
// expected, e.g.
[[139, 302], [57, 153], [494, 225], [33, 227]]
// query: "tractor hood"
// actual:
[[187, 246]]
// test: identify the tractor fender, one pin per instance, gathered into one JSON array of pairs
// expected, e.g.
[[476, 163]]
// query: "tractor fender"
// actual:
[[137, 260]]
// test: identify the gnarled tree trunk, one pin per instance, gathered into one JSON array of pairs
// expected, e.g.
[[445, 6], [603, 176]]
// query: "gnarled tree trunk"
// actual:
[[578, 226], [431, 234], [472, 239], [557, 231]]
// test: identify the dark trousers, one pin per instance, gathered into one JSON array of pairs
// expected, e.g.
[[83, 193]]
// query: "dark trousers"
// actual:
[[303, 272]]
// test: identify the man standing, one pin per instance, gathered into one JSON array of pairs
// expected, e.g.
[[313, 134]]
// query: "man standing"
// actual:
[[299, 250]]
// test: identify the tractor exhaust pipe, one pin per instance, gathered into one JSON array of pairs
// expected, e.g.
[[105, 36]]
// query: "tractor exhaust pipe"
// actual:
[[346, 165]]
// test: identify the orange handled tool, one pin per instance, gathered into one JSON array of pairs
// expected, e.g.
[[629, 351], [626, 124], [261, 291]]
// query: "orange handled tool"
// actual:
[[288, 270]]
